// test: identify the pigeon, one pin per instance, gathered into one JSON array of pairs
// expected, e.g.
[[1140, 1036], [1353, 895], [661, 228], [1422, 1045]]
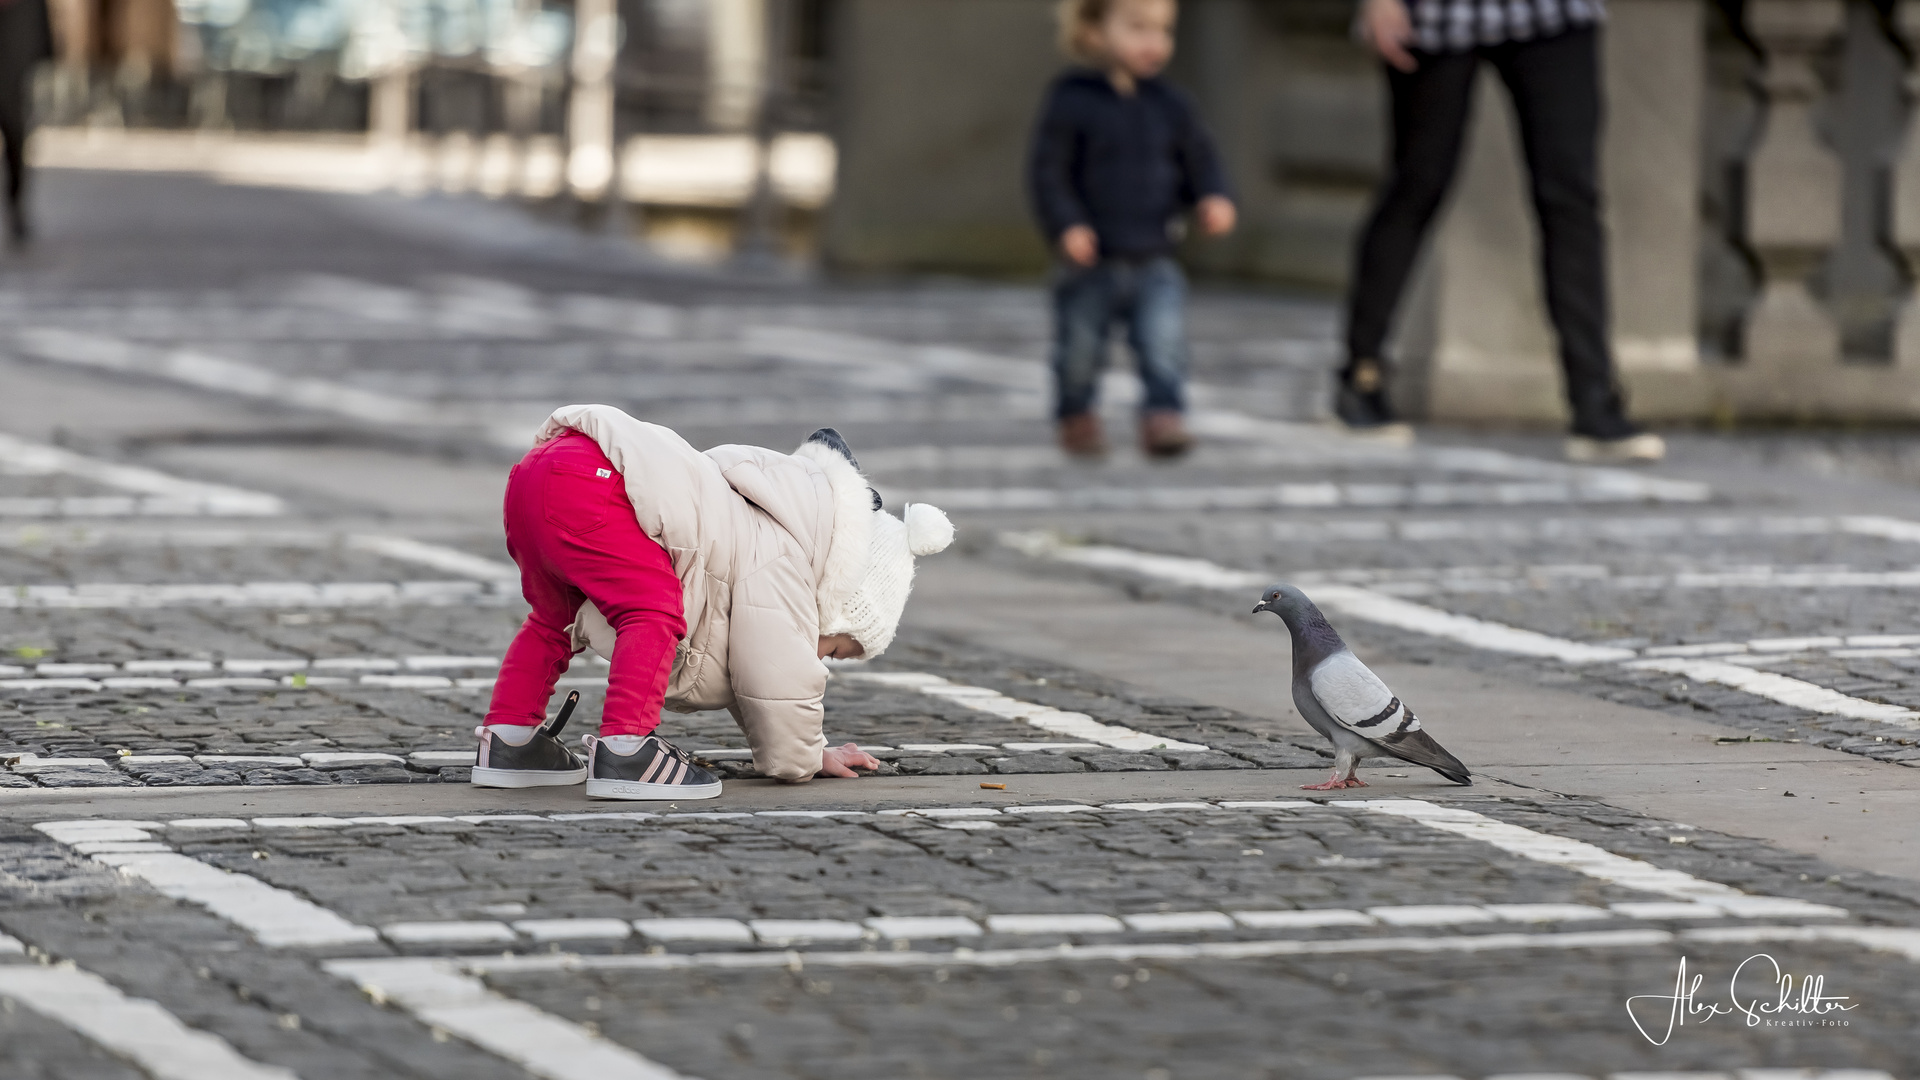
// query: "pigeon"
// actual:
[[1345, 701]]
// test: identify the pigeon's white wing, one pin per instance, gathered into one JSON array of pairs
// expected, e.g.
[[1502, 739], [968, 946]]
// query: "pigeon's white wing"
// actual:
[[1355, 696]]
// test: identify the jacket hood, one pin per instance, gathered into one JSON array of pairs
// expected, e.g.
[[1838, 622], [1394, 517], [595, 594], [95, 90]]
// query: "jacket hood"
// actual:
[[854, 503]]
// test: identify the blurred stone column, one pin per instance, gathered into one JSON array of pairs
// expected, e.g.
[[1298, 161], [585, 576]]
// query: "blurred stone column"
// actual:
[[1793, 188], [390, 114], [737, 38], [759, 235], [523, 87], [391, 61], [1903, 210], [590, 150], [1474, 341]]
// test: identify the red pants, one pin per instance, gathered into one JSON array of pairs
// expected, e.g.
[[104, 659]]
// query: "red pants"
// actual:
[[570, 528]]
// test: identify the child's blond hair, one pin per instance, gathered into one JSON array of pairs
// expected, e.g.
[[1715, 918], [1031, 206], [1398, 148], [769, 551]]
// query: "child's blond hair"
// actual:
[[1076, 19]]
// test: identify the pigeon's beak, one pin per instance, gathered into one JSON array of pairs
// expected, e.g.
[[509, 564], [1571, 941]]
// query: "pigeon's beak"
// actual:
[[1260, 608]]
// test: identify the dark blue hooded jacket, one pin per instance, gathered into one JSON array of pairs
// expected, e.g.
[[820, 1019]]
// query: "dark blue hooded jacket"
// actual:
[[1128, 166]]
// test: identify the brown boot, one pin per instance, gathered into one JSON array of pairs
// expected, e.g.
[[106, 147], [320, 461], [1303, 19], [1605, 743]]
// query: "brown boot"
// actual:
[[1080, 436], [1163, 434]]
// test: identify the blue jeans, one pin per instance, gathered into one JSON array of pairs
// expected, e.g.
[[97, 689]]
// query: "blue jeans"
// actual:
[[1150, 297]]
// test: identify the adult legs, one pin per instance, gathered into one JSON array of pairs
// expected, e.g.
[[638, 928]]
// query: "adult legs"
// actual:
[[13, 133], [1555, 85], [1430, 106]]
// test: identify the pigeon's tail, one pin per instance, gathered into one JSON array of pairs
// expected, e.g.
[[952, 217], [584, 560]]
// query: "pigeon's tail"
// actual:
[[1419, 748]]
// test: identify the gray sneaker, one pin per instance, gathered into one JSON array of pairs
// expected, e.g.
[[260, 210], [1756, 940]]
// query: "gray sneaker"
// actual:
[[658, 770], [540, 762]]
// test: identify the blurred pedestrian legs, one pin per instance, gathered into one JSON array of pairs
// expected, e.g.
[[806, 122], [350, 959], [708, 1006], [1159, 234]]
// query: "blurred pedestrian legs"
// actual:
[[1547, 54], [26, 39]]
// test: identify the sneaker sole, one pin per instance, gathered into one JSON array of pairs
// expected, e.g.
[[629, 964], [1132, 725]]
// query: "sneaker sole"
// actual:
[[1393, 433], [1593, 452], [635, 790], [526, 778]]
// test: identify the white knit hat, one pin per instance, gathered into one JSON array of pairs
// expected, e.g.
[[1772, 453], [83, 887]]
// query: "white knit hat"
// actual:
[[871, 613]]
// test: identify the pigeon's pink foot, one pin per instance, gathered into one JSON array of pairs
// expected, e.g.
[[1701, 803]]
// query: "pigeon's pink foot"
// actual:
[[1333, 784]]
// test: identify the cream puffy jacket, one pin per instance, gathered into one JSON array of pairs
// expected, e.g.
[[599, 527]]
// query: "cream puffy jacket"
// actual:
[[762, 542]]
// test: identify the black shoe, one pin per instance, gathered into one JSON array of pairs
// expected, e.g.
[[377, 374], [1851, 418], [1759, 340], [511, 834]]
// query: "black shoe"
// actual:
[[658, 770], [1361, 401], [541, 762]]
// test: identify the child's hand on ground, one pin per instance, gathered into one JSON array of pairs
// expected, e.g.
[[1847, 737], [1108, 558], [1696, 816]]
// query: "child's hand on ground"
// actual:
[[1081, 245], [1217, 215], [1386, 29], [842, 760]]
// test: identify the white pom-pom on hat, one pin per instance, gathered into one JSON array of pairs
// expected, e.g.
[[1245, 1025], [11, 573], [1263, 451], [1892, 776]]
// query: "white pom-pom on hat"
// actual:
[[928, 530], [871, 612]]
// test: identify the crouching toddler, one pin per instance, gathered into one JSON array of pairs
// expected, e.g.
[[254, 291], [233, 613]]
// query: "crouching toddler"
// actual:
[[708, 580]]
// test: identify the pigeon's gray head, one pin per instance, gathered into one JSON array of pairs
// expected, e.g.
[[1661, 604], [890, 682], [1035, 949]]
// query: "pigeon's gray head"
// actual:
[[1313, 637], [1284, 601]]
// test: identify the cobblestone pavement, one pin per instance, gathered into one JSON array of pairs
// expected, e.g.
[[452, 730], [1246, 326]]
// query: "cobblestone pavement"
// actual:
[[188, 601], [1302, 939]]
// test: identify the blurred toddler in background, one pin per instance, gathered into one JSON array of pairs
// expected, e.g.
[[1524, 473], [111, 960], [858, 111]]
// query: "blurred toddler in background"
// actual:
[[1119, 157]]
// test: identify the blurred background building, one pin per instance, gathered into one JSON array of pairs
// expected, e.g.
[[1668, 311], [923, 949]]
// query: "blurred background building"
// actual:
[[1763, 188]]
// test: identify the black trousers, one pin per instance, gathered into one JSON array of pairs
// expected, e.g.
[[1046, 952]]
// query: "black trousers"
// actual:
[[1555, 84], [13, 132]]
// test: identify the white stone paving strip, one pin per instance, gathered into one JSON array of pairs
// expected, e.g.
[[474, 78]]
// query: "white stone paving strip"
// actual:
[[1899, 942], [1584, 858], [154, 493], [1505, 580], [1651, 529], [198, 369], [134, 1028], [1376, 607], [1696, 897], [448, 933], [289, 594], [1075, 725], [274, 916], [397, 548], [1342, 599], [270, 673], [440, 994], [1425, 493], [1737, 1074], [278, 918], [437, 556], [1796, 692]]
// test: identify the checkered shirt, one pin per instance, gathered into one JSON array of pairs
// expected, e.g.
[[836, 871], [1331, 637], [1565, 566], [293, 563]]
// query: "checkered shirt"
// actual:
[[1457, 25]]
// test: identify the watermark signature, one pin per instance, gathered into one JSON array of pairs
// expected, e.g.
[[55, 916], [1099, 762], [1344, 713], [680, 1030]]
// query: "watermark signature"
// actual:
[[1760, 991]]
